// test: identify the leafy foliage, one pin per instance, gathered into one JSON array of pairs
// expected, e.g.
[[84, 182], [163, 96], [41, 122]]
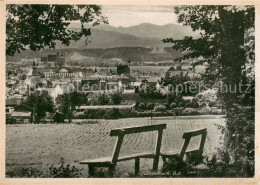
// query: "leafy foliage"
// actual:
[[116, 98], [25, 172], [41, 103], [64, 171], [103, 99], [227, 45], [112, 114], [67, 102], [39, 26]]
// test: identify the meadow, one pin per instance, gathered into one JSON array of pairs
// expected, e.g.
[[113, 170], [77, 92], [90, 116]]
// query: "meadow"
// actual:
[[40, 145]]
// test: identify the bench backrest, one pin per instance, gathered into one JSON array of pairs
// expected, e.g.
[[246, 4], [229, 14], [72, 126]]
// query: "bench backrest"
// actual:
[[187, 136], [121, 132]]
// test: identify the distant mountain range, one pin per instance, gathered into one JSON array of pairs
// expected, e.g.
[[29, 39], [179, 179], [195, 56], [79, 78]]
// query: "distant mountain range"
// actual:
[[147, 30], [143, 35]]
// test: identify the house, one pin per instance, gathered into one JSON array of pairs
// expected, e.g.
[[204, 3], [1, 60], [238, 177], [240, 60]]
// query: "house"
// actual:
[[23, 108], [188, 98], [128, 89], [13, 101], [22, 114], [60, 73], [65, 73], [136, 84], [9, 109], [130, 98], [8, 118], [49, 74], [21, 117], [126, 78], [8, 113]]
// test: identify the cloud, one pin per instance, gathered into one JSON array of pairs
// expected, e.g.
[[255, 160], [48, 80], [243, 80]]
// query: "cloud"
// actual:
[[129, 15], [138, 8]]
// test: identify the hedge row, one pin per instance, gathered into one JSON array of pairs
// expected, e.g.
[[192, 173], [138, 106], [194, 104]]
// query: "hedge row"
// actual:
[[128, 113]]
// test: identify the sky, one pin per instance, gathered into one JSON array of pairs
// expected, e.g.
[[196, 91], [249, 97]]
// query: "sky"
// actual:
[[130, 15]]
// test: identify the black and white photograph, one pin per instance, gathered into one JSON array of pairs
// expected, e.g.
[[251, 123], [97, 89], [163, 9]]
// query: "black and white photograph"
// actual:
[[132, 91]]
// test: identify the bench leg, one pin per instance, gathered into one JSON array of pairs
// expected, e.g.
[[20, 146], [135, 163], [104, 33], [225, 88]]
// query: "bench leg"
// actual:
[[164, 162], [137, 166], [111, 170], [91, 171], [172, 168], [156, 163]]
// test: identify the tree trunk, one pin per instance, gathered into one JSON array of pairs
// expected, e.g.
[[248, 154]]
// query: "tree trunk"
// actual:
[[232, 60]]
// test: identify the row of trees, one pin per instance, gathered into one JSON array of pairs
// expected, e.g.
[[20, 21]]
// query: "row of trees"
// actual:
[[175, 83], [42, 103], [114, 98]]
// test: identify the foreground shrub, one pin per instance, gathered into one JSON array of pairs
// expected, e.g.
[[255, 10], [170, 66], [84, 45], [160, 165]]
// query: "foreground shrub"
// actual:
[[64, 171], [25, 172], [58, 171]]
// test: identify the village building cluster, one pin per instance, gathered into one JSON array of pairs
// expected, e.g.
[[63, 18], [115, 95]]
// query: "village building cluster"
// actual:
[[53, 75]]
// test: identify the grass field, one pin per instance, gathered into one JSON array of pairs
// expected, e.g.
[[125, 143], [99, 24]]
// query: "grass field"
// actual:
[[41, 145]]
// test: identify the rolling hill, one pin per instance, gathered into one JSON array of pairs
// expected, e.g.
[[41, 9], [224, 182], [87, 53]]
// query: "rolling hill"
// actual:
[[147, 30], [111, 39], [143, 35]]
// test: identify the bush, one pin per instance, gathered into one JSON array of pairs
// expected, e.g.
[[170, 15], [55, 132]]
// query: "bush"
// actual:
[[178, 111], [173, 105], [208, 97], [95, 113], [206, 110], [216, 111], [112, 114], [61, 171], [160, 108], [194, 103], [125, 112], [180, 104], [142, 106], [116, 98], [190, 111], [25, 172], [150, 106], [187, 104], [64, 171]]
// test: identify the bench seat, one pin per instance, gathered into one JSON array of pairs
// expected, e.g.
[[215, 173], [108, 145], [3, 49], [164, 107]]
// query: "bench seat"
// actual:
[[111, 162], [173, 153], [108, 160], [169, 153], [103, 160]]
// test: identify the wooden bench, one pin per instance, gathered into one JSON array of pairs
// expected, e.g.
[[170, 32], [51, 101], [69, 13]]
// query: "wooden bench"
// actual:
[[179, 156], [120, 133]]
